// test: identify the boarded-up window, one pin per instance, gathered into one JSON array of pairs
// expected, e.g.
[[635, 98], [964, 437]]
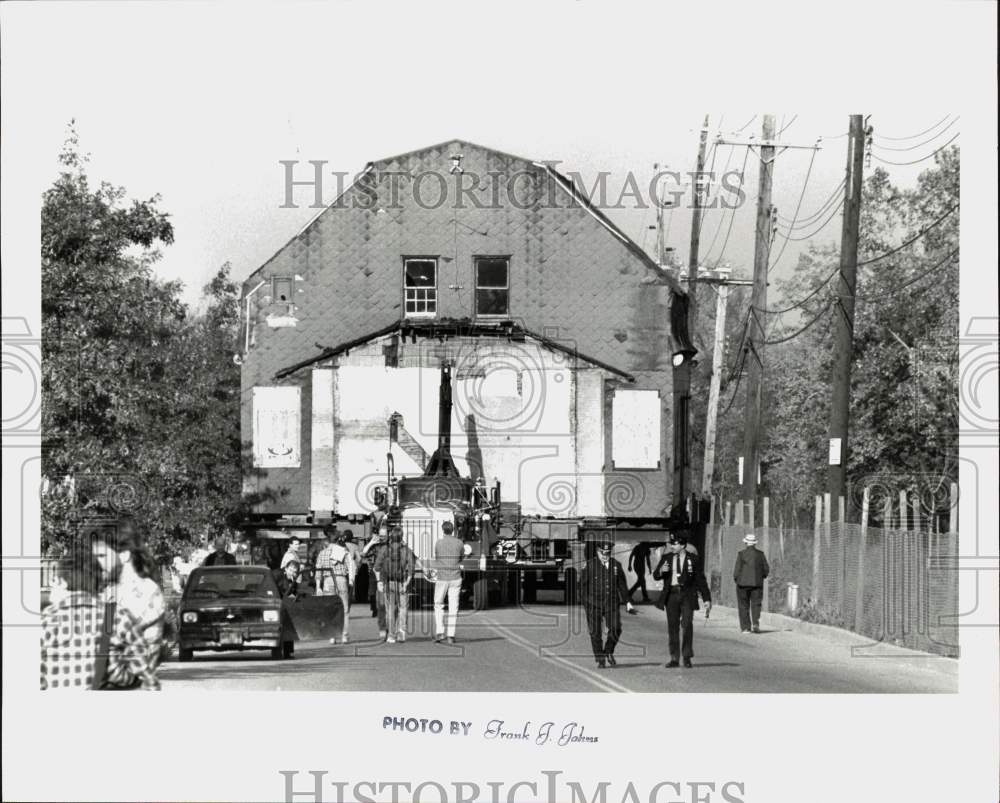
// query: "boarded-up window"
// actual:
[[277, 418], [635, 429]]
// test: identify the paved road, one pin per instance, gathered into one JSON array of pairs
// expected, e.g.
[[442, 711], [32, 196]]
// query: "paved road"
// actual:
[[545, 648]]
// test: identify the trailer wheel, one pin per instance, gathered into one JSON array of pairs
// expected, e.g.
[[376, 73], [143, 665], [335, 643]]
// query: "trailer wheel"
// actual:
[[569, 586], [480, 593], [530, 591]]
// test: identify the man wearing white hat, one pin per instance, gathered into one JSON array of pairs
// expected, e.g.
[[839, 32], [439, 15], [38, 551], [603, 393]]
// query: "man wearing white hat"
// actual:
[[751, 569]]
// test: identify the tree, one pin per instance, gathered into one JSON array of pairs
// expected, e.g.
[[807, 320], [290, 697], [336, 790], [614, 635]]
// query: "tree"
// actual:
[[904, 390], [140, 408]]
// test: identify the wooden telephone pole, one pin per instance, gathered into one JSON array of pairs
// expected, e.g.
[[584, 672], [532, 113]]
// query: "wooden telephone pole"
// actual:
[[755, 321], [846, 286], [758, 302]]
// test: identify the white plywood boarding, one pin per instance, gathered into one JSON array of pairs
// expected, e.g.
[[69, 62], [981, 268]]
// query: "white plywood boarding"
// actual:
[[635, 429], [322, 474], [277, 425]]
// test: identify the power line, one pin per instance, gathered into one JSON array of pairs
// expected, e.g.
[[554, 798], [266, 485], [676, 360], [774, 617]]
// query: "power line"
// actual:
[[785, 126], [825, 223], [909, 242], [912, 281], [745, 125], [798, 207], [915, 136], [732, 215], [736, 388], [919, 144], [800, 303], [795, 334], [917, 161], [804, 223]]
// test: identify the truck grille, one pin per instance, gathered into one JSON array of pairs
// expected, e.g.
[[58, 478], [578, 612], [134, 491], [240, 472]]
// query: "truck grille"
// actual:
[[240, 616], [418, 535]]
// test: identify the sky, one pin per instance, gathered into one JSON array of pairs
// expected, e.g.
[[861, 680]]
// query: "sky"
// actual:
[[199, 104]]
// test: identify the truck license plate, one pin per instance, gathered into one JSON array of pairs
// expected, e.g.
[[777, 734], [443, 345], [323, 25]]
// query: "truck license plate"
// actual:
[[231, 638]]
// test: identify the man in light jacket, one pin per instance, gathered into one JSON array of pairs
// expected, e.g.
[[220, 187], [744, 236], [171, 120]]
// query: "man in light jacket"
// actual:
[[749, 573]]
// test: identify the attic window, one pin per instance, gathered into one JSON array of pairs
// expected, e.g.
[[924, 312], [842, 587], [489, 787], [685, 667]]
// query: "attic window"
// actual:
[[492, 286], [281, 290], [420, 287]]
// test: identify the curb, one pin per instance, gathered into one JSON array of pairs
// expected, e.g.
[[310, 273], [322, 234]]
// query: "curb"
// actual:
[[781, 622]]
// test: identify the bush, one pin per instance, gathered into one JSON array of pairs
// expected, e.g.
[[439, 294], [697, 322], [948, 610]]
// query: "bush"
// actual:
[[820, 614]]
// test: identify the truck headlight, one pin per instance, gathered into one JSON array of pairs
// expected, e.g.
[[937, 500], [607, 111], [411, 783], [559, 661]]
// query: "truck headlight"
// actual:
[[270, 616], [189, 616]]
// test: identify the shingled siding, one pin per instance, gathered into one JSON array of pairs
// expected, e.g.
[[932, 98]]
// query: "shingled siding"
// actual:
[[571, 279]]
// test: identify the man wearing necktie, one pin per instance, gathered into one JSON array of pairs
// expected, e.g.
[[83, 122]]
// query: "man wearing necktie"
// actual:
[[683, 580], [603, 589]]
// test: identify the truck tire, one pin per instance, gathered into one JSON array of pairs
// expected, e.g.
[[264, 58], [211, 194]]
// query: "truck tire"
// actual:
[[569, 586], [480, 593], [530, 590]]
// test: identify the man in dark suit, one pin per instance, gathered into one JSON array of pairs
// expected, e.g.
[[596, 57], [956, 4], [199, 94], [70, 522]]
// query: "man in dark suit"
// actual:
[[749, 573], [683, 579], [603, 589]]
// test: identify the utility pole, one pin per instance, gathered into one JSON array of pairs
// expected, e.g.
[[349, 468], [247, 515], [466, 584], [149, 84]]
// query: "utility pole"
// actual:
[[708, 464], [682, 366], [755, 322], [767, 146], [698, 197], [721, 277], [846, 285], [660, 241]]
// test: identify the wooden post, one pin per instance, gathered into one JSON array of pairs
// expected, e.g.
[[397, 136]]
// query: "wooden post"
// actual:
[[766, 541], [902, 511], [842, 553], [827, 516], [859, 592], [817, 546]]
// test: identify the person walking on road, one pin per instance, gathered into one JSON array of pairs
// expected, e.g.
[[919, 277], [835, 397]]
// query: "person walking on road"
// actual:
[[333, 576], [376, 595], [351, 547], [448, 554], [394, 572], [638, 562], [683, 579], [221, 556], [748, 574], [603, 589]]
